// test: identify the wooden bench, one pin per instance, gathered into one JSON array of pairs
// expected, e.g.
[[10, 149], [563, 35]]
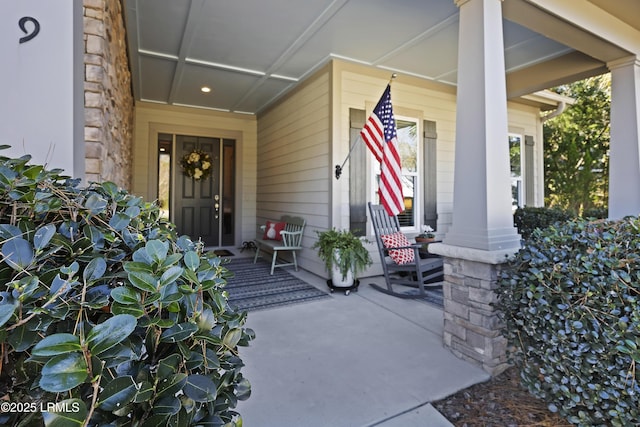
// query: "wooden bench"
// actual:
[[291, 241]]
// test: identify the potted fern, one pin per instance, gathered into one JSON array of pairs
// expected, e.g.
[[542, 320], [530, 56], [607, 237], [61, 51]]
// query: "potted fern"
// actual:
[[343, 254]]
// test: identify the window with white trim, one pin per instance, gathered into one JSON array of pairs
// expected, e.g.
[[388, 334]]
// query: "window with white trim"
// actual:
[[410, 155], [516, 168]]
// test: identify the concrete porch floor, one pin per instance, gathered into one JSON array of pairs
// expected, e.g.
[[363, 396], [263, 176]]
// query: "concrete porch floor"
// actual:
[[367, 359]]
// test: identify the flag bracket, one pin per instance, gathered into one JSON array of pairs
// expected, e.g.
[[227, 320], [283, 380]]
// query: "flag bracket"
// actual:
[[338, 171]]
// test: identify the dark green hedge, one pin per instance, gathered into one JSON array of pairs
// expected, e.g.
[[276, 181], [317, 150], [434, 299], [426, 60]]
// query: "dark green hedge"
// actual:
[[570, 307], [527, 219]]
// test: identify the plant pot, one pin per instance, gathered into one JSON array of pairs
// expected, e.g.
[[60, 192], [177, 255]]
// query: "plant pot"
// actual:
[[338, 282], [336, 276]]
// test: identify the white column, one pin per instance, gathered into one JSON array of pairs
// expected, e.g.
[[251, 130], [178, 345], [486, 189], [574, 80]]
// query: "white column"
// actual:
[[624, 152], [482, 215]]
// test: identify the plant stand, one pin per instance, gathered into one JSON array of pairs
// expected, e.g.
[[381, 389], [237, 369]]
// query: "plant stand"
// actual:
[[347, 289]]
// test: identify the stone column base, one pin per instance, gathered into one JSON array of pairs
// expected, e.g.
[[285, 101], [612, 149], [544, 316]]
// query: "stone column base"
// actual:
[[471, 323]]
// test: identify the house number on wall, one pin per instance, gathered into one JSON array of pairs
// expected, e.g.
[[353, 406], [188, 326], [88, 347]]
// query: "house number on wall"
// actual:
[[29, 35]]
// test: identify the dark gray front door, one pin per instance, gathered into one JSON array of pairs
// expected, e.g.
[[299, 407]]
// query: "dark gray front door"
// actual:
[[203, 209]]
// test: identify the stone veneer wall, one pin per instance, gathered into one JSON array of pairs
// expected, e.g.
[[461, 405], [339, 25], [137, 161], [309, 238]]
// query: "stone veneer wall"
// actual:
[[472, 328], [108, 98]]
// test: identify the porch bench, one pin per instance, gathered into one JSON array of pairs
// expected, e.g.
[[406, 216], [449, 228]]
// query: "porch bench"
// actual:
[[291, 241]]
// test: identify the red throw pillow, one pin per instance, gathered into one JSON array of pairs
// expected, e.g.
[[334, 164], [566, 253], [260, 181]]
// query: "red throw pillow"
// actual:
[[273, 229], [398, 240]]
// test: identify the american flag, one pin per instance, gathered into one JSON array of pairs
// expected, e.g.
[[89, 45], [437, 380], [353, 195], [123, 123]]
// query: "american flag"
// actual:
[[380, 135]]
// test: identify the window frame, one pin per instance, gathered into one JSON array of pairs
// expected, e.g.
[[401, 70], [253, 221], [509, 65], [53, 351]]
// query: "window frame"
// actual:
[[518, 180], [418, 197]]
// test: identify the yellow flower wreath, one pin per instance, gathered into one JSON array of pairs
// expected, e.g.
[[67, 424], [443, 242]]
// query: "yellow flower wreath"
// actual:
[[196, 164]]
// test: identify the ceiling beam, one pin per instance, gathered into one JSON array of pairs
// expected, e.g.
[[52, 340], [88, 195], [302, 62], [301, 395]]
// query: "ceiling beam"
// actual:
[[558, 24], [596, 20], [564, 69], [190, 27]]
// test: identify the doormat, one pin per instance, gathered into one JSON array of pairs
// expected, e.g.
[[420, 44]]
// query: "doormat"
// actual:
[[223, 252], [253, 288]]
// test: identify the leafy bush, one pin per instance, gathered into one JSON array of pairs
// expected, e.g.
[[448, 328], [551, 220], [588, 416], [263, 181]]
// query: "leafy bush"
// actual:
[[527, 219], [570, 306], [105, 311], [595, 213]]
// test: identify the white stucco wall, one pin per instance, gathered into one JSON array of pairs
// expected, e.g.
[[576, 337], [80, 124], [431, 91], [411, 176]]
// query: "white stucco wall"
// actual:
[[41, 82]]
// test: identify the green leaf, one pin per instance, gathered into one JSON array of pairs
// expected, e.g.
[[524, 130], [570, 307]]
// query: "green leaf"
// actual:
[[94, 270], [110, 332], [117, 393], [110, 188], [206, 320], [28, 286], [200, 388], [95, 204], [95, 235], [145, 391], [170, 293], [168, 405], [132, 211], [170, 386], [232, 337], [168, 366], [161, 323], [192, 260], [163, 420], [243, 389], [157, 250], [56, 344], [212, 361], [21, 338], [64, 372], [143, 281], [139, 267], [125, 295], [7, 175], [179, 332], [7, 307], [66, 413], [43, 236], [171, 275], [32, 172], [18, 253], [171, 260], [119, 221], [7, 231]]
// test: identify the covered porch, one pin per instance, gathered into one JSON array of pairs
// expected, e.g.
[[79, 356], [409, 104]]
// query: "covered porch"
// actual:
[[285, 98], [367, 359]]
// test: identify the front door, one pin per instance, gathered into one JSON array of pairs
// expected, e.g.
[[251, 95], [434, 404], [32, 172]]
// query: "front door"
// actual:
[[204, 208]]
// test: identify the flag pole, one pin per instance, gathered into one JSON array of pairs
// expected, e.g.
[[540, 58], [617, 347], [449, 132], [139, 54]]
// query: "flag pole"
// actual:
[[339, 167]]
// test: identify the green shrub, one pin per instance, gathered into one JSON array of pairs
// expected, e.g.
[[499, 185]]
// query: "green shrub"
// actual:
[[527, 219], [595, 213], [105, 311], [570, 306]]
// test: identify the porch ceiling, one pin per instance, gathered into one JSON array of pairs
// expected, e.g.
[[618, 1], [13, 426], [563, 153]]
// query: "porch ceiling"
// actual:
[[251, 52]]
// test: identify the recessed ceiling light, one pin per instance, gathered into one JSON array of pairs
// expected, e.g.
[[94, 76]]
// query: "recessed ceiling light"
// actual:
[[205, 89]]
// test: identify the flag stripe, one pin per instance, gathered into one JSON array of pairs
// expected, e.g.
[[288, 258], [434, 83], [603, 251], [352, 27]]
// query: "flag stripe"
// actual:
[[380, 135], [373, 136]]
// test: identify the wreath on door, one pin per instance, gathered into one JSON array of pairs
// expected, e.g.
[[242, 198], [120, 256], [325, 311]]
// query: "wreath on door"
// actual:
[[196, 164]]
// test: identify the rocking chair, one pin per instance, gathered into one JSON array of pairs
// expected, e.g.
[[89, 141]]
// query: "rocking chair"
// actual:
[[416, 273]]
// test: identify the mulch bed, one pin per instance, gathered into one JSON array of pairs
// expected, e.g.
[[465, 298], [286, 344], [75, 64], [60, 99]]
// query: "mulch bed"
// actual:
[[499, 402]]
